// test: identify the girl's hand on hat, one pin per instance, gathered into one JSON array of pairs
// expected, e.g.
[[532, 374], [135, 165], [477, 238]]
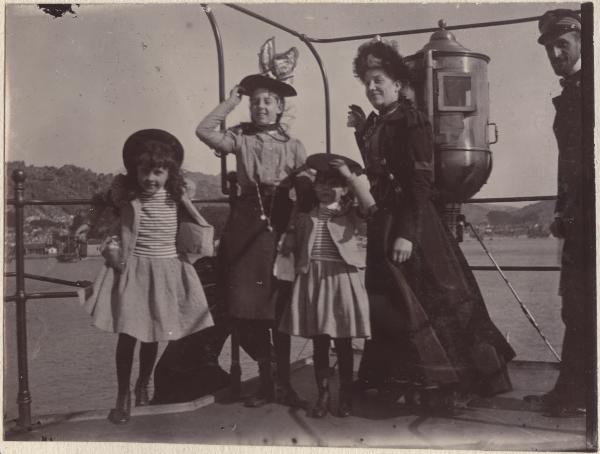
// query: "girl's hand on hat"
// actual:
[[341, 167], [235, 94], [356, 117], [402, 250]]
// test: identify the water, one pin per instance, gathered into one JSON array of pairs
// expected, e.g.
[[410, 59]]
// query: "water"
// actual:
[[71, 363]]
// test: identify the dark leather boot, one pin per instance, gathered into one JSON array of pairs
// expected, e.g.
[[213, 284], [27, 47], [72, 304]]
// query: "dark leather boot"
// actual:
[[266, 391], [345, 400], [346, 371], [322, 405], [142, 397], [120, 414]]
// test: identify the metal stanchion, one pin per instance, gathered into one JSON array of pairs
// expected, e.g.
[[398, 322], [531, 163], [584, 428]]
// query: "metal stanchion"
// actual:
[[23, 396], [235, 371]]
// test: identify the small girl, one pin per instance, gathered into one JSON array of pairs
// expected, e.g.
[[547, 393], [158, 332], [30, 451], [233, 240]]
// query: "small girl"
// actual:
[[147, 290], [329, 297]]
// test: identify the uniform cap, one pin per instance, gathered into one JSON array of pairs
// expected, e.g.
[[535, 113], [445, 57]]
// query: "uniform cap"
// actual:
[[557, 22]]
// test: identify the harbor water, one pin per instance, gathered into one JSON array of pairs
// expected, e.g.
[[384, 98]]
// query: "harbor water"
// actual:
[[71, 363]]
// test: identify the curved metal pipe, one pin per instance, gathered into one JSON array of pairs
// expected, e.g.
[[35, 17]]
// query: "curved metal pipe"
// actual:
[[326, 88], [221, 66], [384, 34], [308, 41], [265, 19]]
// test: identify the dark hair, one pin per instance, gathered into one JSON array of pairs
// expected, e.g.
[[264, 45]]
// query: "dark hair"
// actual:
[[391, 61], [332, 177], [153, 154]]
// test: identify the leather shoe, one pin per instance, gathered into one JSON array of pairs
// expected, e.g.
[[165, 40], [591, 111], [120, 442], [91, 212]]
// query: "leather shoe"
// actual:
[[562, 411], [546, 399], [262, 397], [290, 398], [141, 396], [120, 414]]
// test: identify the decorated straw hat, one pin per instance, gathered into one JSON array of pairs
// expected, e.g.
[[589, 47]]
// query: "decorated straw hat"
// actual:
[[136, 144], [254, 81]]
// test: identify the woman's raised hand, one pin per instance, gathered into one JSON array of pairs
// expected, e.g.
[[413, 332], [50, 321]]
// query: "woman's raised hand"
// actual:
[[402, 250], [341, 167], [356, 117], [236, 94]]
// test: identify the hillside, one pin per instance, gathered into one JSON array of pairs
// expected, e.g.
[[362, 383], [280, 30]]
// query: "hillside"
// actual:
[[542, 211], [535, 213], [477, 213], [72, 182], [68, 182]]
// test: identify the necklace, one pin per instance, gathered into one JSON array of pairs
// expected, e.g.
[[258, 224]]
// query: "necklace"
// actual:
[[263, 216]]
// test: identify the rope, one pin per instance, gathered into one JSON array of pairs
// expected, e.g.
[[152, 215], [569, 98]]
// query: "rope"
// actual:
[[526, 311]]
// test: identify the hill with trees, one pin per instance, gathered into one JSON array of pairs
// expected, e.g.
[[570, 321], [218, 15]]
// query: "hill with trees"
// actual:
[[72, 182]]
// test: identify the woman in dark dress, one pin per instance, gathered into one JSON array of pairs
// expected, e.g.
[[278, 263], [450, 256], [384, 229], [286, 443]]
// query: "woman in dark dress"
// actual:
[[432, 334]]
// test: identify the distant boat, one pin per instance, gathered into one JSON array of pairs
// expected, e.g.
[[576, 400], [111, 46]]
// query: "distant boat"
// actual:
[[68, 250], [538, 231]]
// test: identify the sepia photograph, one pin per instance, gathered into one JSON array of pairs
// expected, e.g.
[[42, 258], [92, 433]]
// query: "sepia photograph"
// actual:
[[298, 225]]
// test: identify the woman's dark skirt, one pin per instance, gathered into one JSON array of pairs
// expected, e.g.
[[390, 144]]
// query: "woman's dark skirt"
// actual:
[[247, 253], [429, 321]]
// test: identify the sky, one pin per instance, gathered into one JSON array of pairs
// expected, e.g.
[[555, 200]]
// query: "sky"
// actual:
[[78, 86]]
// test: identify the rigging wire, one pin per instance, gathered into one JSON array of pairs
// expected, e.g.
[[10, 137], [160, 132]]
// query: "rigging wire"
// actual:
[[526, 311]]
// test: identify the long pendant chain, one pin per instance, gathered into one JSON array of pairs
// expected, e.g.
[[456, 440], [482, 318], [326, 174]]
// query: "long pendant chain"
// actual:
[[263, 216]]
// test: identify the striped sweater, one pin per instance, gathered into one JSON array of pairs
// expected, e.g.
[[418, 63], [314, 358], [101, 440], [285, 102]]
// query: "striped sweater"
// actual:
[[324, 248], [158, 226]]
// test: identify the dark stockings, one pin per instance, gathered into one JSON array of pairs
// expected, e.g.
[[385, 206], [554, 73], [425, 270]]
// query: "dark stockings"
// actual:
[[343, 347], [124, 359]]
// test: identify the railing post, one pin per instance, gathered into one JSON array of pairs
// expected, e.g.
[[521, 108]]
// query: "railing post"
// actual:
[[221, 68], [23, 396]]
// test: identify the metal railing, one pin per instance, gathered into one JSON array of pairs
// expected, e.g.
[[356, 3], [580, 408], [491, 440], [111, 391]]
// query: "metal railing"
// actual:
[[21, 296]]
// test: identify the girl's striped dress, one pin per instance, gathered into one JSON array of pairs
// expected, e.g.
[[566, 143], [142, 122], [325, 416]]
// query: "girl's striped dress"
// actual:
[[331, 297], [158, 296]]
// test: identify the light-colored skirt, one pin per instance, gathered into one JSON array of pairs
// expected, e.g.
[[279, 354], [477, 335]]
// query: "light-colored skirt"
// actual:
[[154, 299], [329, 299]]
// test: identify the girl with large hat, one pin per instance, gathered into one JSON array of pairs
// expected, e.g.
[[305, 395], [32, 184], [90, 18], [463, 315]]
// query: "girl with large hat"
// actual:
[[431, 332], [268, 165]]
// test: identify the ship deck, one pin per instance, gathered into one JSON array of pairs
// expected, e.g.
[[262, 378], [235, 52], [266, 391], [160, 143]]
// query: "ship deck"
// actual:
[[503, 422]]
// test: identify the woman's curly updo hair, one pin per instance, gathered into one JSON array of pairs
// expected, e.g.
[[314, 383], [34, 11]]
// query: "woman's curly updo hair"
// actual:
[[381, 54]]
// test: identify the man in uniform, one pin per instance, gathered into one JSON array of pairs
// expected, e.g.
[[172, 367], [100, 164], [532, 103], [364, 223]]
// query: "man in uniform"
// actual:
[[561, 36]]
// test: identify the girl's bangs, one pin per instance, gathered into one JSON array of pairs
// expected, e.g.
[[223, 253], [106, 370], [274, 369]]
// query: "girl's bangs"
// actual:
[[156, 155], [334, 179]]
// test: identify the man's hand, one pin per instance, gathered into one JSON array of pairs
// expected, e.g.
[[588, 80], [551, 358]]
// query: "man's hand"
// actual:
[[557, 228], [402, 250]]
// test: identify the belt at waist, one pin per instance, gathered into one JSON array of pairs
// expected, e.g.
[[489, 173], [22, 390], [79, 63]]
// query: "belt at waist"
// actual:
[[265, 189]]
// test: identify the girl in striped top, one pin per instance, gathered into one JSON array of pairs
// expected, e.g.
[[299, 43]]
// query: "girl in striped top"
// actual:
[[148, 290], [329, 299]]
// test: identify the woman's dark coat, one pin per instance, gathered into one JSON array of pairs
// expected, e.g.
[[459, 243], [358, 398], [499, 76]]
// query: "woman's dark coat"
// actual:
[[429, 320]]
